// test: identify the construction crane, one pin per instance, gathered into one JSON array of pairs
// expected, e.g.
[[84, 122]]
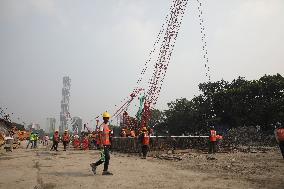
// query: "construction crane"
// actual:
[[166, 38]]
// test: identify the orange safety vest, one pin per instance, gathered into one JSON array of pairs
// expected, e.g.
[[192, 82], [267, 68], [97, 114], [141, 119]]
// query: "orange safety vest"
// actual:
[[213, 137], [105, 135], [76, 143], [85, 143], [146, 139], [280, 134], [56, 137], [65, 138]]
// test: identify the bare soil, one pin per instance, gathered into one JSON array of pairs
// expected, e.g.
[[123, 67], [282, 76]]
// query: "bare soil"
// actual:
[[42, 169]]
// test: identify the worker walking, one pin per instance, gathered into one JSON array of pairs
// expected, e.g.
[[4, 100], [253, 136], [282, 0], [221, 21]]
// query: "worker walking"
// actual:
[[212, 140], [55, 139], [145, 140], [31, 141], [105, 144], [279, 135], [65, 139], [36, 137], [45, 140]]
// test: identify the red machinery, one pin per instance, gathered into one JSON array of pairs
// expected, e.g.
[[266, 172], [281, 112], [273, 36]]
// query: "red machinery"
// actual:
[[168, 34]]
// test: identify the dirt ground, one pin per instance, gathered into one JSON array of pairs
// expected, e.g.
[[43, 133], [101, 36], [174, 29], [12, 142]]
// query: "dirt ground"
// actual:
[[42, 169]]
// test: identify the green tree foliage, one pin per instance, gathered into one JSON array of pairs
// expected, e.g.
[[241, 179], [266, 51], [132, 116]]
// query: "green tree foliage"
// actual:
[[227, 105], [156, 118]]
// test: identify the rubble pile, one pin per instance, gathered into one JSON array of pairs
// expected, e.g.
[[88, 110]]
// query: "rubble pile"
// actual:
[[247, 136], [3, 131], [132, 145]]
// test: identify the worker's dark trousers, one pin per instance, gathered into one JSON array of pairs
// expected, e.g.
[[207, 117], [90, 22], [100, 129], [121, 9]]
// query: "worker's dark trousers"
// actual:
[[145, 149], [212, 147], [107, 158], [30, 142], [54, 146], [35, 144], [281, 146], [65, 143]]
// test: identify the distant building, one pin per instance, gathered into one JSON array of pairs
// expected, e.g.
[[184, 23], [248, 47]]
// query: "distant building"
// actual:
[[33, 127], [36, 126], [50, 124], [29, 127], [76, 125]]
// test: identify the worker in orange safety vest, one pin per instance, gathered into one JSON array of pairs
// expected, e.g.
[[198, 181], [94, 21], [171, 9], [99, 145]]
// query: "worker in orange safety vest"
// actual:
[[85, 142], [132, 133], [105, 145], [76, 142], [65, 139], [145, 140], [279, 135], [212, 140], [55, 139]]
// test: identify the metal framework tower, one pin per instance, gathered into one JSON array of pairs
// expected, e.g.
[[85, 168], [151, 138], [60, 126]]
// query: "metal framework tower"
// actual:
[[64, 114]]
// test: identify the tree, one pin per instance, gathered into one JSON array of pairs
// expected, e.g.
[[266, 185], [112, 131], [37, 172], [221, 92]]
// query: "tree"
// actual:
[[228, 105]]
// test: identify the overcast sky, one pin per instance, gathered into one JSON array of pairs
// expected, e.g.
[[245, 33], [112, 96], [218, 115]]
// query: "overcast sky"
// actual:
[[102, 46]]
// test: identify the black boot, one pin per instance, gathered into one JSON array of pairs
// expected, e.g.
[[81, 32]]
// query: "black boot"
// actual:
[[107, 173], [94, 168]]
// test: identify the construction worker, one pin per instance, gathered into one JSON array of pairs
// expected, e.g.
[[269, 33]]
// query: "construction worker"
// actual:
[[31, 141], [279, 135], [212, 140], [94, 142], [85, 142], [55, 139], [132, 133], [145, 141], [97, 138], [76, 142], [105, 144], [36, 137], [45, 140], [65, 139]]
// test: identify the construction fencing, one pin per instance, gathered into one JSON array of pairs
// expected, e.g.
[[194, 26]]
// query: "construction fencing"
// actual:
[[157, 143], [161, 143]]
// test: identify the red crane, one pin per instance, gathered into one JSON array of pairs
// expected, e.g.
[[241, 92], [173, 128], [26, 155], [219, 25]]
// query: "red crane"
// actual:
[[168, 34]]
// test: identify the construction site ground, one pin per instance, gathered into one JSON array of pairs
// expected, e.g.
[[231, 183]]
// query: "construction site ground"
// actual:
[[43, 169]]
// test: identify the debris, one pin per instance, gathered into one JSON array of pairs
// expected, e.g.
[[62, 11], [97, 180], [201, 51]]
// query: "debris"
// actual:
[[211, 158], [169, 157]]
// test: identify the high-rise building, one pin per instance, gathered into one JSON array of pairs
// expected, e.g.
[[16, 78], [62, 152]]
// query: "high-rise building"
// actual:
[[65, 114], [50, 124]]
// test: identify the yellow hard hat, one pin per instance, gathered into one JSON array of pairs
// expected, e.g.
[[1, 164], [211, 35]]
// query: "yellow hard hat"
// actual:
[[144, 129], [106, 114], [66, 131]]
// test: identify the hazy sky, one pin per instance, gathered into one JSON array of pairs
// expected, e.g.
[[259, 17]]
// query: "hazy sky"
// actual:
[[102, 45]]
